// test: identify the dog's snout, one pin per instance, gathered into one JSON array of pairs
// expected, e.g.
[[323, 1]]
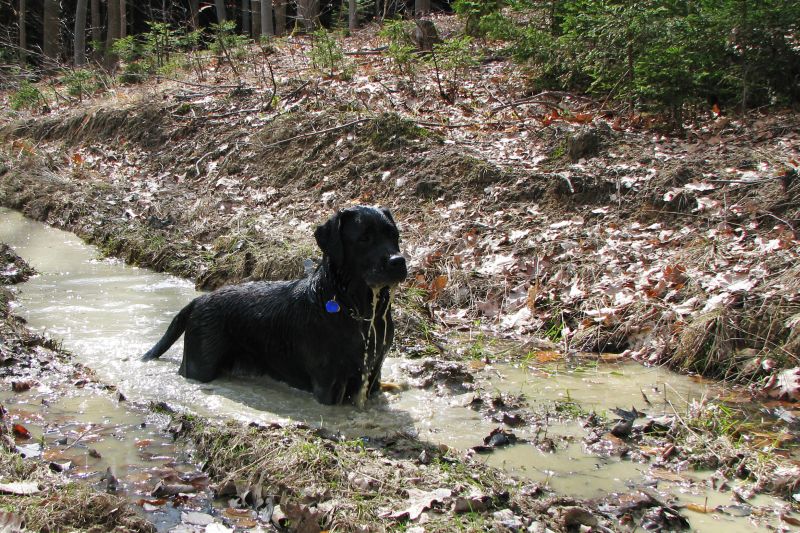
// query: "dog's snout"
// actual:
[[397, 264]]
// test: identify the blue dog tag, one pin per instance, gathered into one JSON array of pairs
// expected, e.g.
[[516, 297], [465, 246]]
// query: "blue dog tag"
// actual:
[[332, 306]]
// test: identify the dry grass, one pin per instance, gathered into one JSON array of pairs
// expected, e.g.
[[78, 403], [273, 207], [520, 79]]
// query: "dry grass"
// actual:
[[342, 485]]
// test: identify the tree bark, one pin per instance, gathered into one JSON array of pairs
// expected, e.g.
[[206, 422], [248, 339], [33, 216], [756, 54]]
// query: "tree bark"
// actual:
[[352, 15], [256, 7], [280, 17], [266, 18], [221, 15], [80, 33], [51, 40], [23, 33], [123, 18]]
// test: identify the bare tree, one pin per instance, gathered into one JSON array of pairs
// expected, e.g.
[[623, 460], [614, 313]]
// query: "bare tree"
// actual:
[[352, 15], [307, 13], [266, 18], [221, 15], [51, 41], [23, 33], [80, 33]]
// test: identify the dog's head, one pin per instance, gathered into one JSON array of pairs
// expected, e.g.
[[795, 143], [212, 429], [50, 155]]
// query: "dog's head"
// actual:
[[363, 242]]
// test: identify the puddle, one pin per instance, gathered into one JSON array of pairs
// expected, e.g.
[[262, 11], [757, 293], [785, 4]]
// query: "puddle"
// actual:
[[109, 314], [90, 435]]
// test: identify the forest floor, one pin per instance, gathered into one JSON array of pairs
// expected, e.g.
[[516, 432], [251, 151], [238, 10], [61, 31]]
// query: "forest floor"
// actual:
[[545, 219]]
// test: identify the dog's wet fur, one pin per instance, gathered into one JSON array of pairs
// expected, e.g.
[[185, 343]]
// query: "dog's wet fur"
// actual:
[[291, 330]]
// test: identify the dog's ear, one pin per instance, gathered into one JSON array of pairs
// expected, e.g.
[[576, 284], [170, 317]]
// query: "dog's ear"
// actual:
[[329, 237], [388, 215]]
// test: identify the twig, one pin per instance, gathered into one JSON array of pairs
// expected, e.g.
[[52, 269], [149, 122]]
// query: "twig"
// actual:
[[374, 52], [302, 86], [523, 102], [204, 85], [313, 133]]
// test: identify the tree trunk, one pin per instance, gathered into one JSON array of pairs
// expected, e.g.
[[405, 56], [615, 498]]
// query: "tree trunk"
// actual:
[[80, 33], [266, 18], [97, 27], [352, 15], [221, 15], [51, 29], [112, 32], [255, 5], [194, 10], [23, 33], [123, 18], [246, 17], [422, 7], [280, 17]]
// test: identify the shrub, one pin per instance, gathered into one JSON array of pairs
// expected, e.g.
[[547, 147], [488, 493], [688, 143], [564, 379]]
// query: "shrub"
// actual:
[[28, 96], [401, 47], [327, 55]]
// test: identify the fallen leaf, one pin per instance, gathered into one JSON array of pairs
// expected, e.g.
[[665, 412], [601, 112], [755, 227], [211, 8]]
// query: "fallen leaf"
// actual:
[[698, 508], [20, 488], [21, 386], [419, 501], [790, 520], [21, 431], [784, 385]]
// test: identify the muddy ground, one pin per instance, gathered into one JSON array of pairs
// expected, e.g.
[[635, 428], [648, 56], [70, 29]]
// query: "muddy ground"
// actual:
[[543, 219]]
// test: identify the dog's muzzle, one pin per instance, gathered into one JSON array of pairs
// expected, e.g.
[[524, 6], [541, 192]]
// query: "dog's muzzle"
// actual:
[[396, 267], [393, 272]]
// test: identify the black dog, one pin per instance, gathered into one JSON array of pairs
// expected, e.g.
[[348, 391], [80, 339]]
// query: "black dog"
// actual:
[[327, 333]]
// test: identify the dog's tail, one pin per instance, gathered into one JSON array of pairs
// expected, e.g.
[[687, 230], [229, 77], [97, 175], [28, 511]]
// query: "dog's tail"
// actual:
[[174, 331]]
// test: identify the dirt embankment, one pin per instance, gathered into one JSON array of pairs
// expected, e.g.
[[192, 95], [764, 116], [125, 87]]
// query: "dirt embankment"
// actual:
[[670, 250]]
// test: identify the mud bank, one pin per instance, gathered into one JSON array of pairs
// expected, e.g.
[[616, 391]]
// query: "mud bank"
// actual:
[[655, 247]]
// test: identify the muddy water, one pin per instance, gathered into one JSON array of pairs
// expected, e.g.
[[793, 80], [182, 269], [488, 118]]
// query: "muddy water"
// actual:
[[108, 314]]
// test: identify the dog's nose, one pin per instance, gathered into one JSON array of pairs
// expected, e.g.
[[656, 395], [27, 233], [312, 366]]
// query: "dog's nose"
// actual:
[[397, 264]]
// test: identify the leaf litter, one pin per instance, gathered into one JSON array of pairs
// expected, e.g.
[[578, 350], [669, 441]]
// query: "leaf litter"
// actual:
[[667, 250]]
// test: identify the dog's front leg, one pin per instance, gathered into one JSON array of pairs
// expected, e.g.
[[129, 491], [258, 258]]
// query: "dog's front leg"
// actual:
[[329, 393]]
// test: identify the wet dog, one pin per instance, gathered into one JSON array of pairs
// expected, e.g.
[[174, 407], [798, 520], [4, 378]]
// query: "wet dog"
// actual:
[[327, 333]]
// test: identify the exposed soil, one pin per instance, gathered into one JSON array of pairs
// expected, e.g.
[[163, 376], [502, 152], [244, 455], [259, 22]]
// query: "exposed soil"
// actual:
[[592, 231]]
